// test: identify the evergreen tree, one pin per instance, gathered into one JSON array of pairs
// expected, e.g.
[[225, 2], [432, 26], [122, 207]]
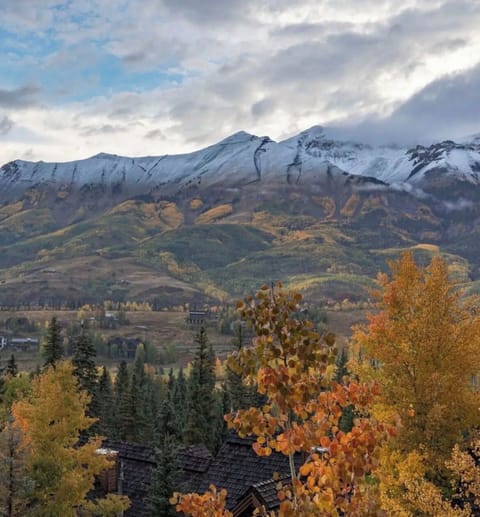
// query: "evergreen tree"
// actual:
[[84, 363], [164, 479], [240, 395], [106, 405], [219, 426], [179, 399], [53, 348], [171, 383], [121, 394], [167, 422], [151, 404], [125, 419], [341, 369], [201, 404], [121, 381], [137, 392], [12, 368], [342, 373]]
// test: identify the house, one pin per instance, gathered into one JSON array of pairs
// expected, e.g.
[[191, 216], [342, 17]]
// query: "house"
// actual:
[[130, 475], [22, 344], [197, 318], [131, 472], [246, 476]]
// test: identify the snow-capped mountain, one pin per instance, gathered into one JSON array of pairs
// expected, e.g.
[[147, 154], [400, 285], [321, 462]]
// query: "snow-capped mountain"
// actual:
[[308, 158]]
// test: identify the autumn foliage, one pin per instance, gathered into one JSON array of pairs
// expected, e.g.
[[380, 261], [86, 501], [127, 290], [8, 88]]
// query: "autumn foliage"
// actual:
[[422, 347], [62, 472], [292, 366]]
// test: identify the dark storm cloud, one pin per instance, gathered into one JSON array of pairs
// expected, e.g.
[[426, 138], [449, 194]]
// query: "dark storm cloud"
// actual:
[[447, 108], [21, 97]]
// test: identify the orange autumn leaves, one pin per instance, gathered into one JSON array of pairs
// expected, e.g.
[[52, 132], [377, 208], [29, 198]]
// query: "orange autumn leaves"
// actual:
[[292, 366]]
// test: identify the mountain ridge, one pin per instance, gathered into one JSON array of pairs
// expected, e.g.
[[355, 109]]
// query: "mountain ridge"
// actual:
[[242, 158]]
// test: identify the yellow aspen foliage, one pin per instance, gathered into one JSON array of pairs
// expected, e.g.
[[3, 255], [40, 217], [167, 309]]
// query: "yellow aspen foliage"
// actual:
[[290, 364], [405, 491], [50, 421], [422, 347], [466, 470]]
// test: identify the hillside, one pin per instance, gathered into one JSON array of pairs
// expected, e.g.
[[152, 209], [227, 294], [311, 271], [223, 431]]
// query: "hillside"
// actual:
[[320, 214]]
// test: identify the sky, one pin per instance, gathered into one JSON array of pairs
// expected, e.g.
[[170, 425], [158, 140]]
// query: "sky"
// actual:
[[151, 77]]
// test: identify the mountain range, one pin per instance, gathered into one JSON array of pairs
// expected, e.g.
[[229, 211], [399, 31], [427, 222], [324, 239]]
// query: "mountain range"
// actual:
[[319, 213]]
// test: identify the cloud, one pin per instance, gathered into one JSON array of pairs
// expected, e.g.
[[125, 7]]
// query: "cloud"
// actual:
[[6, 124], [447, 108], [105, 129], [155, 134], [210, 11], [20, 97], [181, 75]]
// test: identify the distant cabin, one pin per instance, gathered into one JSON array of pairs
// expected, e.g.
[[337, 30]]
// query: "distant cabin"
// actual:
[[198, 318], [24, 344]]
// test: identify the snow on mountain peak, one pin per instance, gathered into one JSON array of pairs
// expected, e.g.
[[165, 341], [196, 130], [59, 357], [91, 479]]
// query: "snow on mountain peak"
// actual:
[[244, 158], [238, 138]]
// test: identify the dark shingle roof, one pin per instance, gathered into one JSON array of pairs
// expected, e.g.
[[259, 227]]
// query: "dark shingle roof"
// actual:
[[137, 462], [237, 467]]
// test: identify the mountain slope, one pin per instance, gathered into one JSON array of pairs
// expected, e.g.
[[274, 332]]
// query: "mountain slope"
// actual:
[[320, 214]]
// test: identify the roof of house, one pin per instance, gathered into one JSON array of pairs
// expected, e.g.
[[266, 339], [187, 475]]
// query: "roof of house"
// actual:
[[237, 467], [264, 493], [137, 464]]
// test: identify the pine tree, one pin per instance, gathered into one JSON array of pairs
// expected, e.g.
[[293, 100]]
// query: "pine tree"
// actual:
[[171, 383], [137, 393], [164, 479], [121, 394], [12, 368], [53, 348], [342, 373], [167, 422], [84, 364], [341, 369], [121, 381], [240, 395], [106, 406], [125, 415], [201, 413], [179, 399], [151, 405]]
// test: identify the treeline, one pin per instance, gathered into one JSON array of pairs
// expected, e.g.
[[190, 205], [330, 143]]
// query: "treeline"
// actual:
[[140, 404], [391, 429]]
